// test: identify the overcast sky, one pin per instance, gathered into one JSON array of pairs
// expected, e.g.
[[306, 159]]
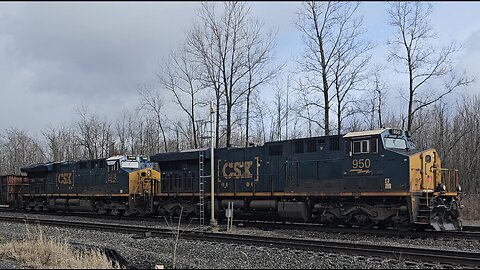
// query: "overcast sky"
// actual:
[[55, 57]]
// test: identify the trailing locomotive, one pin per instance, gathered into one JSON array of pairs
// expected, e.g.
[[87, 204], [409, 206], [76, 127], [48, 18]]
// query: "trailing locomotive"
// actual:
[[117, 185], [369, 178]]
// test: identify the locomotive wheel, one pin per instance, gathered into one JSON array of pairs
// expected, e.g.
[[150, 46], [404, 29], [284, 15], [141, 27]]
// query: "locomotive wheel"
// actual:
[[330, 220], [363, 221], [102, 211], [403, 224]]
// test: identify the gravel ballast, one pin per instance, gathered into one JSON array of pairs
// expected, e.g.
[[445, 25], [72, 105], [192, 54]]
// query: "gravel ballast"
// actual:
[[148, 252], [10, 265]]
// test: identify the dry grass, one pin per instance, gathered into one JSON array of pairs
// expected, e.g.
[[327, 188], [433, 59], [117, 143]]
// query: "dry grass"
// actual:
[[472, 207], [39, 251]]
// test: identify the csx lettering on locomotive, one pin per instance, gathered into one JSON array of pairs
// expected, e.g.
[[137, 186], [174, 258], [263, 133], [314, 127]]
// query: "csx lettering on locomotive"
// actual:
[[237, 170], [64, 178]]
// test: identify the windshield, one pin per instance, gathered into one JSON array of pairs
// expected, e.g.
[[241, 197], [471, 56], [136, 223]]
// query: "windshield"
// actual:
[[398, 143]]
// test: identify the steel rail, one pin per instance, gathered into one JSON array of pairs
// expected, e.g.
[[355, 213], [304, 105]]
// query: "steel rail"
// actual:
[[471, 233]]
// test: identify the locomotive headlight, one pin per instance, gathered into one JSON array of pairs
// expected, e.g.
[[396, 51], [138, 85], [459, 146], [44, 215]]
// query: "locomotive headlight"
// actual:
[[459, 188], [443, 188]]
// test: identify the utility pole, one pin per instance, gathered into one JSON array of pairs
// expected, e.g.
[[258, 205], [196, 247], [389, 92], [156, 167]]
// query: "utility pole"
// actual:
[[213, 221]]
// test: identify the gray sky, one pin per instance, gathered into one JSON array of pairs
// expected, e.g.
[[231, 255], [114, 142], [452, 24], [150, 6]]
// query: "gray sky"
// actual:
[[56, 56]]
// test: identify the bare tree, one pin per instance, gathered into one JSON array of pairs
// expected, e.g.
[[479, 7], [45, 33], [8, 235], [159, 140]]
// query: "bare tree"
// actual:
[[372, 104], [321, 29], [180, 76], [377, 100], [136, 133], [334, 59], [234, 55], [307, 101], [281, 110], [152, 102], [62, 143], [260, 115], [201, 44], [18, 149], [423, 63], [121, 128], [279, 115], [350, 62], [288, 104], [259, 65], [93, 134]]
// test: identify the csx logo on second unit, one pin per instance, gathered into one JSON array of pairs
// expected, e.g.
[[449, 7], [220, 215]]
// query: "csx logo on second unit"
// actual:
[[237, 169]]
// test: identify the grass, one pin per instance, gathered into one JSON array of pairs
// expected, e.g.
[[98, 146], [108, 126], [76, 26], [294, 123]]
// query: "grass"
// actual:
[[41, 252]]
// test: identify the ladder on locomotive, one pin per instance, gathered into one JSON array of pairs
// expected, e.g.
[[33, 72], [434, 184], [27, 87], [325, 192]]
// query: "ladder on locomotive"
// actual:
[[201, 189]]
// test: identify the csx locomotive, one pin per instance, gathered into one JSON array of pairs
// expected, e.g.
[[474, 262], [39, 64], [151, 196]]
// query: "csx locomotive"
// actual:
[[369, 178], [117, 185]]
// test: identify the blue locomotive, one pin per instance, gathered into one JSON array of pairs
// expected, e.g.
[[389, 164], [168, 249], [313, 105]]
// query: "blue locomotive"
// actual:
[[369, 178], [117, 185]]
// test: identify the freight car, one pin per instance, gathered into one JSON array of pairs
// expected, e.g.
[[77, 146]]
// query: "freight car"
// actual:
[[3, 190], [117, 185], [11, 189], [368, 178]]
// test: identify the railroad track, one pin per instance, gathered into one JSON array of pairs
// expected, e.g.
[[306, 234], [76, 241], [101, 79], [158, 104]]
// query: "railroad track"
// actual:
[[469, 232], [471, 228], [417, 254]]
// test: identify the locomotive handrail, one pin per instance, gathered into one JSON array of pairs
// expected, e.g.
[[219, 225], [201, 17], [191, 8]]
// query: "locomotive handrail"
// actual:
[[447, 173]]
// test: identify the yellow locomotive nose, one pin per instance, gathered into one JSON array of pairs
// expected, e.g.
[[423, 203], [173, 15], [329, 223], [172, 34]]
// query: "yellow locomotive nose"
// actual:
[[435, 201], [425, 171], [144, 181]]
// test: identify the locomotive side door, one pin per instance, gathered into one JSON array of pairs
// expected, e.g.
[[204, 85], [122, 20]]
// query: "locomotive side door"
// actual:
[[280, 167], [430, 165]]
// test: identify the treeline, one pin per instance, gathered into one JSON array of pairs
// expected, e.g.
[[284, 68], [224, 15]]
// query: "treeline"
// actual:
[[227, 63]]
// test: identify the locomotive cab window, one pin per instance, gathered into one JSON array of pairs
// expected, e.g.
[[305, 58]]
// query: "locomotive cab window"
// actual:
[[395, 143], [112, 168], [361, 147]]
